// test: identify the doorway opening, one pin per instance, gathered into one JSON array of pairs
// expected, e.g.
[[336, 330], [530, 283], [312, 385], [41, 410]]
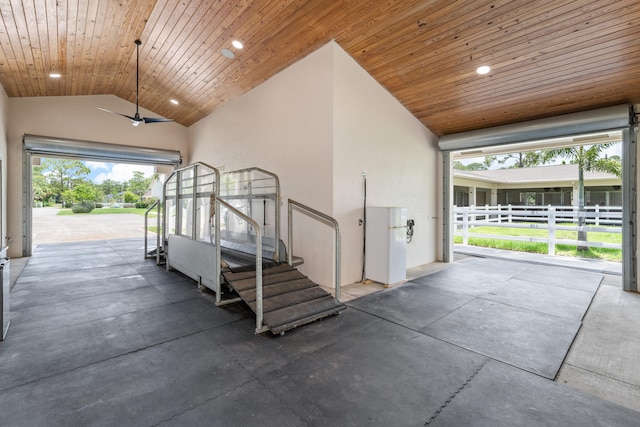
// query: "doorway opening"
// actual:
[[66, 160], [76, 200], [576, 128], [553, 199]]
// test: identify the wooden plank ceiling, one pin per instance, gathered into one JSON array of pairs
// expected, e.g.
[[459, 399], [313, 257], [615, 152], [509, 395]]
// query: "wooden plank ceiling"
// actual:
[[547, 56]]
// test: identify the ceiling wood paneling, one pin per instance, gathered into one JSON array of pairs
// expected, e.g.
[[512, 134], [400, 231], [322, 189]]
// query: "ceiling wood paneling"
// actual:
[[547, 56]]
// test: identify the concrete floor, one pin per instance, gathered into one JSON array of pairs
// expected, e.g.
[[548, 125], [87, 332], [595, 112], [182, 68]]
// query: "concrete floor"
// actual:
[[49, 227], [100, 336], [603, 358]]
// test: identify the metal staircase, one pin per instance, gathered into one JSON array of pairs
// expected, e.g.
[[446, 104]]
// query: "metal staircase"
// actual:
[[224, 230], [290, 299]]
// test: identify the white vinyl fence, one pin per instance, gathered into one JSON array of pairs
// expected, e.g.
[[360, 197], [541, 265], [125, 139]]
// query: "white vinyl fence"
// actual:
[[603, 219]]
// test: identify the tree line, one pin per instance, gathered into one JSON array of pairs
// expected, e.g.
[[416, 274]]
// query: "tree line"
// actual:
[[66, 182], [588, 158]]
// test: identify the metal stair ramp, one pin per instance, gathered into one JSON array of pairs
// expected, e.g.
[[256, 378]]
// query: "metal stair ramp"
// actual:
[[290, 299], [217, 228], [238, 260]]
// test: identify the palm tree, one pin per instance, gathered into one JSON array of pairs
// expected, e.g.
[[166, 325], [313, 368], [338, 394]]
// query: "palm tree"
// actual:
[[588, 158], [526, 159]]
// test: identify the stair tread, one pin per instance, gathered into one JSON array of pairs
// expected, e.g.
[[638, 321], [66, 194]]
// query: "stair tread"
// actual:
[[231, 277], [291, 314], [288, 299], [274, 289], [243, 261], [242, 285], [278, 329]]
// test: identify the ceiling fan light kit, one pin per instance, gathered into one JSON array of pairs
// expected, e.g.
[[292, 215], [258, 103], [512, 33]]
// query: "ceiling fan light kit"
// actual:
[[136, 119]]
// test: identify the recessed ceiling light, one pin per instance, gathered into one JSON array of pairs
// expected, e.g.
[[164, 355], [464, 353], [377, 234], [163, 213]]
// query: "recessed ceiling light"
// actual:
[[174, 102], [226, 52], [483, 69], [237, 44], [55, 75]]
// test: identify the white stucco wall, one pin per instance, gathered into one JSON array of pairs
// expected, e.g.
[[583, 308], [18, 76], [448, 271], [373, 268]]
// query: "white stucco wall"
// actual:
[[373, 132], [76, 117], [317, 125], [283, 126]]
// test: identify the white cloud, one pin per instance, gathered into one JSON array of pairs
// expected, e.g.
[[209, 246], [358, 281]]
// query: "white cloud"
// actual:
[[97, 165], [99, 179], [123, 172]]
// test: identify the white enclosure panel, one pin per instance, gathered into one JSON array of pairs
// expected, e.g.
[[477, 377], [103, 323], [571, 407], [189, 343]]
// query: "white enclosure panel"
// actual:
[[192, 258]]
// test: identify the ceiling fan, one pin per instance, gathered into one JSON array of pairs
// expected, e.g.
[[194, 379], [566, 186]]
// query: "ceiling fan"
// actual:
[[136, 119]]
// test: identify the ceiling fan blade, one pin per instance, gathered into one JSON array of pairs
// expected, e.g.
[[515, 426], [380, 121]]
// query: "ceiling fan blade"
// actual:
[[136, 119], [113, 112], [155, 120]]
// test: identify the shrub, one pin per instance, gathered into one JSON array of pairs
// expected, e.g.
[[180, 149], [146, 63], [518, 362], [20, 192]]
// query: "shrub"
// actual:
[[144, 204], [130, 197], [98, 205], [82, 207]]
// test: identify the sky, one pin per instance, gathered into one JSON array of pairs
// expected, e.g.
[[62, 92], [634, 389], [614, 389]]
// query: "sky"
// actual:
[[120, 172]]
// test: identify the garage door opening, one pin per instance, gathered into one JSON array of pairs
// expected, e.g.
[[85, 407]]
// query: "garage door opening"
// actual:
[[88, 175], [76, 200], [552, 200], [578, 128]]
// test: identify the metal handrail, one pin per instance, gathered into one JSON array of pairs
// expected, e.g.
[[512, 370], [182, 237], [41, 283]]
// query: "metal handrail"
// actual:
[[146, 230], [317, 214], [276, 255], [259, 306], [159, 229]]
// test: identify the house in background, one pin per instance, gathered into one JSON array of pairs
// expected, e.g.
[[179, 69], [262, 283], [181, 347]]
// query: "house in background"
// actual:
[[555, 185]]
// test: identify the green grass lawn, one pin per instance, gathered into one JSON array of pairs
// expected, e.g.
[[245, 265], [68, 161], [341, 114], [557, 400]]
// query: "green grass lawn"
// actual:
[[605, 254], [100, 211]]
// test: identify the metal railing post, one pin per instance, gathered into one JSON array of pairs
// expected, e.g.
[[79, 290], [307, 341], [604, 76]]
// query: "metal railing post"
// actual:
[[334, 225], [259, 305], [146, 229], [260, 327], [289, 233], [159, 230]]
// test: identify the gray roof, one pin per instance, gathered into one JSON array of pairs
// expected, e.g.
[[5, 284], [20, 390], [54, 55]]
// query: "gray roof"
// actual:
[[568, 172]]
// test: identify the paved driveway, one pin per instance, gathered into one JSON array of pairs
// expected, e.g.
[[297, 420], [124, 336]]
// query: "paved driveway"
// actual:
[[49, 227]]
